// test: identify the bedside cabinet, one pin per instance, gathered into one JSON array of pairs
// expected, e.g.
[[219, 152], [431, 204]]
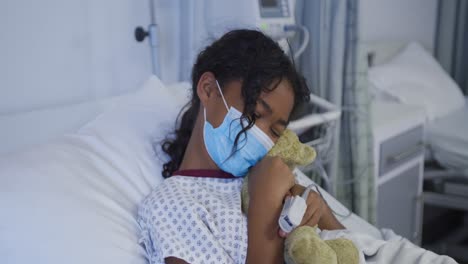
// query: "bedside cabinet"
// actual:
[[399, 164]]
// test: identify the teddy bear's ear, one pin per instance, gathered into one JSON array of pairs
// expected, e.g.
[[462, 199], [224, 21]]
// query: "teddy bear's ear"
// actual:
[[306, 154], [292, 151]]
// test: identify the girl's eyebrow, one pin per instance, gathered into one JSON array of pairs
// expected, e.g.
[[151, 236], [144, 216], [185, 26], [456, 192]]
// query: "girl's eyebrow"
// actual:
[[268, 108]]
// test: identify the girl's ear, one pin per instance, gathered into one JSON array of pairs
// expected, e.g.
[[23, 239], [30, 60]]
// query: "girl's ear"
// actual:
[[206, 87]]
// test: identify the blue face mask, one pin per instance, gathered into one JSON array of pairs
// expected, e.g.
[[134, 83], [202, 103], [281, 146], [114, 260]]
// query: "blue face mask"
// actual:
[[252, 146]]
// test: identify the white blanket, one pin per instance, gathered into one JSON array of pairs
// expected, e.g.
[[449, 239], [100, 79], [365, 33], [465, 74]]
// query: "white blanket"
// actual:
[[376, 246], [391, 249], [448, 139]]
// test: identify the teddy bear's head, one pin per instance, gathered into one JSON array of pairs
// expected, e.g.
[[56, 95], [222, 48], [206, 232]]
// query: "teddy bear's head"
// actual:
[[291, 151]]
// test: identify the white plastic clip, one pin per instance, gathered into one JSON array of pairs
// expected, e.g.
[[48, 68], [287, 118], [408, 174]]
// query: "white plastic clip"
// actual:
[[293, 211]]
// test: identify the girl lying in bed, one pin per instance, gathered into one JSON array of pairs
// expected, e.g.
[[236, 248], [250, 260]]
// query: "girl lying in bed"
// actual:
[[244, 90]]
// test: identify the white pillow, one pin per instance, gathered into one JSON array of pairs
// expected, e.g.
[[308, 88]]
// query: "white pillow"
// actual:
[[380, 95], [75, 200], [414, 77]]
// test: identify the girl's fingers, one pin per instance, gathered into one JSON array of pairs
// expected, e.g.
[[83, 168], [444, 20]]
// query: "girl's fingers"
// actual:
[[313, 221], [297, 189], [313, 198], [314, 210], [316, 216], [282, 234], [311, 209]]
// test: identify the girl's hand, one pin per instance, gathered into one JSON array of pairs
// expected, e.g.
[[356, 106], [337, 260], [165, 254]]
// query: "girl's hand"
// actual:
[[316, 207], [270, 180]]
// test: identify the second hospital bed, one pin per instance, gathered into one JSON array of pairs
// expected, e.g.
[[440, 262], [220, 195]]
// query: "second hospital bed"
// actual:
[[448, 139], [408, 74]]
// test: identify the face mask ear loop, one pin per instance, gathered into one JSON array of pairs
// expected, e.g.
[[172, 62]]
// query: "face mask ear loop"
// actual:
[[204, 113], [204, 124], [222, 96]]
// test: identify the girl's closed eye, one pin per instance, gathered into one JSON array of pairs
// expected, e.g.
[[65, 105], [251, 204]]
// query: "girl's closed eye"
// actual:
[[275, 133], [272, 131]]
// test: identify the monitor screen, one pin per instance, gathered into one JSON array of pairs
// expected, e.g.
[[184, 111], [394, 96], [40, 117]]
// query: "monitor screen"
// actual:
[[269, 3]]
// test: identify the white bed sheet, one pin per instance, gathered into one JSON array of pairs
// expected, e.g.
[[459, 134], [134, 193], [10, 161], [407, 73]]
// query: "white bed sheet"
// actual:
[[448, 139]]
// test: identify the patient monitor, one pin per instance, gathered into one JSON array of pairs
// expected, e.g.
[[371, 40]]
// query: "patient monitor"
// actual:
[[276, 18]]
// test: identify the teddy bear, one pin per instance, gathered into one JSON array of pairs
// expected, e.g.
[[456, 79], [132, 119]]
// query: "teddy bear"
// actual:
[[303, 245]]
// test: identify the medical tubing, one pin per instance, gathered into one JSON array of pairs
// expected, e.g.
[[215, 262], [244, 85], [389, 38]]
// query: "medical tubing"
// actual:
[[305, 41], [344, 216], [306, 192]]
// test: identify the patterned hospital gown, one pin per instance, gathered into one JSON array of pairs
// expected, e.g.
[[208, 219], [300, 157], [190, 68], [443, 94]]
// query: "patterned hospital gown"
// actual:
[[196, 219]]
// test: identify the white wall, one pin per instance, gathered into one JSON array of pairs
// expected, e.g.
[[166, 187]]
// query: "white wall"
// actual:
[[56, 52], [204, 21], [57, 57], [399, 20]]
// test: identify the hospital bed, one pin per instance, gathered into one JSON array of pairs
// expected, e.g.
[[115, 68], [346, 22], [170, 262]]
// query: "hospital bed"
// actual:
[[74, 199], [448, 139], [442, 100], [406, 73]]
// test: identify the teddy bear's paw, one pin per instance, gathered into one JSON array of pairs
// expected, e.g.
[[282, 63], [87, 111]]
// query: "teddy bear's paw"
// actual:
[[304, 246], [346, 251]]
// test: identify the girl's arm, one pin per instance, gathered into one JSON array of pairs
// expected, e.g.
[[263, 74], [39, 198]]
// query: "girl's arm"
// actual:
[[269, 182], [264, 244]]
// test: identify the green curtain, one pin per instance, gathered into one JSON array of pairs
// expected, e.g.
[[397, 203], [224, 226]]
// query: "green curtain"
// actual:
[[355, 175], [335, 66]]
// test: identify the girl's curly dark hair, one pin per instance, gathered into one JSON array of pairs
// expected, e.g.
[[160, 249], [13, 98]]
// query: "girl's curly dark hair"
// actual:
[[244, 55]]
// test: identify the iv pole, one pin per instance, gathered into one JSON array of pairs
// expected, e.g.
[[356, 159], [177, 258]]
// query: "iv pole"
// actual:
[[152, 34]]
